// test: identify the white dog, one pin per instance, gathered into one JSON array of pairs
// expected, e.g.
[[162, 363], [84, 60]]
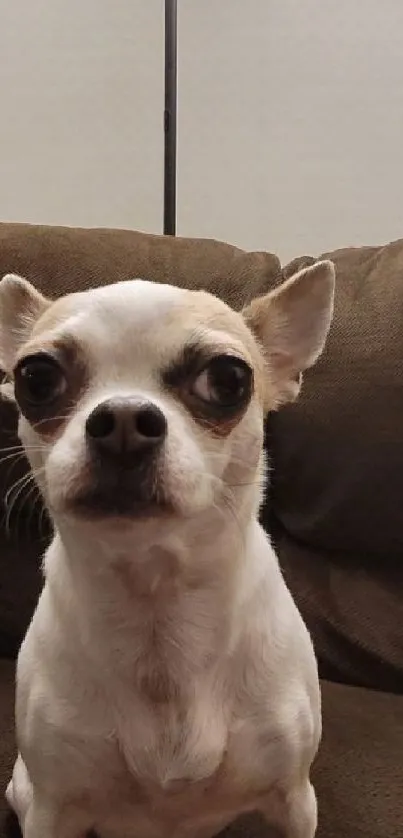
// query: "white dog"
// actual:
[[167, 682]]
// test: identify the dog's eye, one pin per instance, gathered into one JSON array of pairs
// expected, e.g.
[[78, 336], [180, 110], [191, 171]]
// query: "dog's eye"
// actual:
[[225, 382], [39, 380]]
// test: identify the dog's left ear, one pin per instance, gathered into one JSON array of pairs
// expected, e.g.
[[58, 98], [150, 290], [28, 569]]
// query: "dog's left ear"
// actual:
[[21, 305], [292, 323]]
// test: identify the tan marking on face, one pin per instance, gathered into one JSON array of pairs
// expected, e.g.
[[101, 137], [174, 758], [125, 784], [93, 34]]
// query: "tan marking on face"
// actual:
[[48, 420], [55, 316], [220, 429], [204, 312], [211, 329], [220, 425], [198, 313]]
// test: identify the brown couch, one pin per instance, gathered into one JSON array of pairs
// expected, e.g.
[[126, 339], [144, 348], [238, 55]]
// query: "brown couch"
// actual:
[[334, 505]]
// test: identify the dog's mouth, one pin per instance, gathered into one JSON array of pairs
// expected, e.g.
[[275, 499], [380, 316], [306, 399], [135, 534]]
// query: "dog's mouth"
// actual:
[[122, 493], [95, 504]]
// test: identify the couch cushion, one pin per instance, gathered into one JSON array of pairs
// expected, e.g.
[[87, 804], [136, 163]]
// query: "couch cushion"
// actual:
[[21, 550], [7, 739], [358, 774], [59, 260], [359, 771], [338, 476]]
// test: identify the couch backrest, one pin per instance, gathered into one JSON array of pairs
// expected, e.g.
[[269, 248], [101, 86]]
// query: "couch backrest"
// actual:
[[59, 260]]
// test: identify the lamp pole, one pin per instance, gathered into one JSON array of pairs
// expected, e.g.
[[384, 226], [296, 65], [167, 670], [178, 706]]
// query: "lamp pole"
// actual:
[[170, 117]]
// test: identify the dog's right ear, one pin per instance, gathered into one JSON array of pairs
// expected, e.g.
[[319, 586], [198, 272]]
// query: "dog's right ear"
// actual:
[[21, 305], [291, 325]]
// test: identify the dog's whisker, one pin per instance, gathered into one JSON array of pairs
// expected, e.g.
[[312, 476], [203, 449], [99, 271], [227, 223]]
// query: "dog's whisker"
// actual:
[[13, 448], [31, 475], [246, 484], [34, 498], [15, 455], [14, 494], [15, 485], [26, 497], [11, 499], [15, 460], [57, 418]]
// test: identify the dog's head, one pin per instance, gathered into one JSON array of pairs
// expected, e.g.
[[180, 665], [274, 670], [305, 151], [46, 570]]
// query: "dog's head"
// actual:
[[140, 400]]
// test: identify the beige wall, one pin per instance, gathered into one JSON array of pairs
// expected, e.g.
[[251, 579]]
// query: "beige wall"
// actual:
[[290, 118], [81, 105], [291, 122]]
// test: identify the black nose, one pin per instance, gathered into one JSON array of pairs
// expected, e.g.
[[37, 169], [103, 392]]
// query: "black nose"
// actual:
[[120, 427]]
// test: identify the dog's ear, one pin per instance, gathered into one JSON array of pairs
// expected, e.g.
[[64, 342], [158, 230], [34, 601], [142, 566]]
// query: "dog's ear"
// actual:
[[292, 323], [20, 307]]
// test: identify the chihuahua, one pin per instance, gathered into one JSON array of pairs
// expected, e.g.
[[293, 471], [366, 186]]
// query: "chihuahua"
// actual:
[[167, 683]]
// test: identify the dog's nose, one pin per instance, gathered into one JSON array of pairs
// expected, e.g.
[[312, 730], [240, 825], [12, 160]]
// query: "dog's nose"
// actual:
[[120, 427]]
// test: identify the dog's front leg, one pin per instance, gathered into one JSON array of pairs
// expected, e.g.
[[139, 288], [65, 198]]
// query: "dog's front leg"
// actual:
[[294, 812], [37, 817], [46, 821]]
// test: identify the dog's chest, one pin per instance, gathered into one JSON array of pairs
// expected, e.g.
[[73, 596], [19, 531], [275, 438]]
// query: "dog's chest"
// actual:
[[172, 744], [177, 778]]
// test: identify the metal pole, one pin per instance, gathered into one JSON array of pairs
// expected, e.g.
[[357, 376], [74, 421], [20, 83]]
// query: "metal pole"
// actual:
[[170, 117]]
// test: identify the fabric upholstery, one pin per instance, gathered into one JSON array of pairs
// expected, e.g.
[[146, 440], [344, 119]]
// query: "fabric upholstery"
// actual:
[[7, 738], [337, 485], [59, 260]]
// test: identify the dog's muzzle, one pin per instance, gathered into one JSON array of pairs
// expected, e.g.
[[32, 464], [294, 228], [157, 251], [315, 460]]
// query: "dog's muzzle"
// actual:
[[125, 439]]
